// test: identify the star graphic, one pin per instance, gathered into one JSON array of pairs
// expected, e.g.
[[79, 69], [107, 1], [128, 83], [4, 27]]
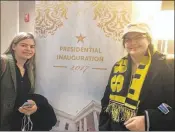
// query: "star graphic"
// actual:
[[80, 38]]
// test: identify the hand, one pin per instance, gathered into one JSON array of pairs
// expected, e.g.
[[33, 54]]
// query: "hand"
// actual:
[[27, 110], [136, 123]]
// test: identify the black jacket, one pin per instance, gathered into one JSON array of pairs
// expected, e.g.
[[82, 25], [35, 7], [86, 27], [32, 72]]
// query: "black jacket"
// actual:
[[43, 119], [158, 88]]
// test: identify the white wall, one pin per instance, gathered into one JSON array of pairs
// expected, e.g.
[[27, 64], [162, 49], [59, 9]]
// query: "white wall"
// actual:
[[24, 8], [12, 20], [9, 22], [145, 10]]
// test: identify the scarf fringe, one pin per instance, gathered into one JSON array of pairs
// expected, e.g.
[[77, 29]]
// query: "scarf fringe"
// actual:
[[120, 112]]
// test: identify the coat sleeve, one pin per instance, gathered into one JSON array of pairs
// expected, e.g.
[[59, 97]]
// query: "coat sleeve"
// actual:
[[3, 65], [104, 119], [156, 120], [2, 70]]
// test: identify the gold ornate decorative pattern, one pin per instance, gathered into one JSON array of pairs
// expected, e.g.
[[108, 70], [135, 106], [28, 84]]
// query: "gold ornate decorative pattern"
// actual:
[[112, 16], [50, 16]]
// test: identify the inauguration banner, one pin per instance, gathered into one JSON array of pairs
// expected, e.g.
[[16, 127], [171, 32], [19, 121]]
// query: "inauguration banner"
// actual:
[[78, 42]]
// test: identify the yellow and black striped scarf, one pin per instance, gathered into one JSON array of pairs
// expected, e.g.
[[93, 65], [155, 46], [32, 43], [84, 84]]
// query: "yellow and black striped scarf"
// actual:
[[125, 92]]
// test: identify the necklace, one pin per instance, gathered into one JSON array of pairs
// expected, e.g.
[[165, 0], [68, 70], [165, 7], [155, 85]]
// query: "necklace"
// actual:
[[22, 70]]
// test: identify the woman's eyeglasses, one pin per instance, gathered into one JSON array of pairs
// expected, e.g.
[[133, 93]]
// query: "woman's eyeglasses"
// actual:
[[135, 38]]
